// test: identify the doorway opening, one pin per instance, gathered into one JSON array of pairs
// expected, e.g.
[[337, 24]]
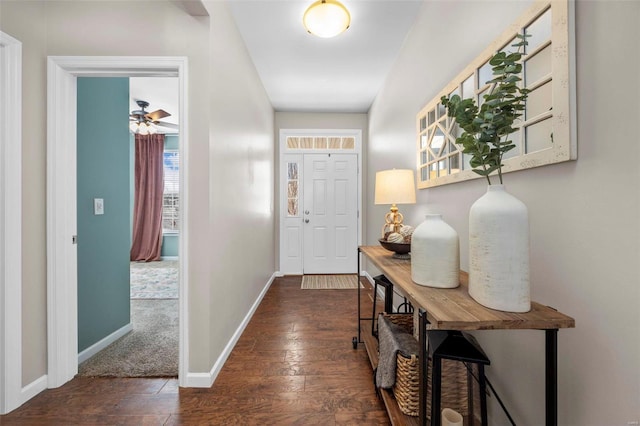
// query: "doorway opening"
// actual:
[[128, 293], [320, 188], [62, 333]]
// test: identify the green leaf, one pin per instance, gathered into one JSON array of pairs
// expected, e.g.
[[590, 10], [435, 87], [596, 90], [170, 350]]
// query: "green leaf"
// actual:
[[486, 128], [498, 58]]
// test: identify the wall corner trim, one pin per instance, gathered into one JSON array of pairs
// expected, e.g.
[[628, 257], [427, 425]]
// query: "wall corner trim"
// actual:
[[34, 388], [10, 223]]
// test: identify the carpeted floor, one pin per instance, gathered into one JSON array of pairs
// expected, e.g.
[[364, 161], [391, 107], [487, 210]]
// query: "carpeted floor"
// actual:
[[150, 350], [154, 280], [329, 282]]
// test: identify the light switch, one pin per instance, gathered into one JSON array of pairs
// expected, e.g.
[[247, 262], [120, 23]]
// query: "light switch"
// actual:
[[98, 206]]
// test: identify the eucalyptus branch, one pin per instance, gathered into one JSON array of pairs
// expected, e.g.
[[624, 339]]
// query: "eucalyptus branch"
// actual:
[[486, 128]]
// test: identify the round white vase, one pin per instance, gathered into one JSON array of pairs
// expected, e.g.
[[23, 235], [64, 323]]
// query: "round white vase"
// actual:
[[499, 251], [435, 254]]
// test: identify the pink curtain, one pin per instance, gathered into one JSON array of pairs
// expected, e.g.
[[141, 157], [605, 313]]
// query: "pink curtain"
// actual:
[[147, 207]]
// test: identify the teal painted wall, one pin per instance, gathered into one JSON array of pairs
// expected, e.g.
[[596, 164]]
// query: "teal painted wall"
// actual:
[[171, 142], [169, 245], [103, 240], [169, 241]]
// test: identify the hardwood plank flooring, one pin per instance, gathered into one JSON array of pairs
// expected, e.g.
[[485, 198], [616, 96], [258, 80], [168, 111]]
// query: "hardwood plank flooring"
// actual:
[[293, 365]]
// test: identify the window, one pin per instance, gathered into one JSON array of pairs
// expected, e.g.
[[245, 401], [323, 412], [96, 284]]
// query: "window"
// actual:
[[171, 195], [321, 142], [292, 189]]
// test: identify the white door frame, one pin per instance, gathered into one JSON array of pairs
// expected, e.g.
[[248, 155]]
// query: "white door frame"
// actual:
[[283, 150], [62, 304], [10, 223]]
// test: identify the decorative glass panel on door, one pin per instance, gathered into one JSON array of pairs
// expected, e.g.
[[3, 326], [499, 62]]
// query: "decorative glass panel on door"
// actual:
[[292, 189]]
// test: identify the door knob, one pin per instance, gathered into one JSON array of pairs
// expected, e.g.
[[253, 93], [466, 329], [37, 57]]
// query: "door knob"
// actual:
[[306, 221], [306, 212]]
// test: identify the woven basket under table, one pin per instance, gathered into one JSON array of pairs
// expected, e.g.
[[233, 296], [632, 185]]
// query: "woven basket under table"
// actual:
[[406, 389]]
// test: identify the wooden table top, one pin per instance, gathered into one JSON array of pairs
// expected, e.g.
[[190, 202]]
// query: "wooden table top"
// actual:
[[454, 309]]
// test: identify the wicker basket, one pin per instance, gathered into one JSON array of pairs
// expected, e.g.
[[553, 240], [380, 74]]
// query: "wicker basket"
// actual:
[[406, 389]]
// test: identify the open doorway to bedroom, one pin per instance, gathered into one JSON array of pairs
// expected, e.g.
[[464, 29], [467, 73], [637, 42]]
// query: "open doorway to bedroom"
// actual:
[[62, 288], [128, 264]]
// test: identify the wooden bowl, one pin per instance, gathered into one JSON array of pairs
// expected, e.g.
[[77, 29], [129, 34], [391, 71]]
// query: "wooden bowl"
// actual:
[[398, 248]]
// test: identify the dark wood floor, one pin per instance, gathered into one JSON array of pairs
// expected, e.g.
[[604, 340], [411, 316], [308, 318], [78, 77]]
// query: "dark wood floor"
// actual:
[[293, 365]]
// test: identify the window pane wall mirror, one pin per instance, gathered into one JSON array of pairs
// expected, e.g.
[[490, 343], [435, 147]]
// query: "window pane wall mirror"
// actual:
[[546, 134]]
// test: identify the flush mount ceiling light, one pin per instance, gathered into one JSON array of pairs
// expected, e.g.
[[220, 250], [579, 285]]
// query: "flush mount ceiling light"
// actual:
[[326, 18]]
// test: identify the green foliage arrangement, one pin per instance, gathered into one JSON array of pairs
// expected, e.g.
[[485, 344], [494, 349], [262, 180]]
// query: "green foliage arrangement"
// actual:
[[486, 129]]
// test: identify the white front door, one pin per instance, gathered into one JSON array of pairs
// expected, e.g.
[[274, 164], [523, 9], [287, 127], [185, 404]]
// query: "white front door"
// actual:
[[330, 213]]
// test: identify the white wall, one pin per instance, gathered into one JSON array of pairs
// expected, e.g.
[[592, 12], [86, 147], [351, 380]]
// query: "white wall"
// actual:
[[230, 165], [584, 215], [241, 167]]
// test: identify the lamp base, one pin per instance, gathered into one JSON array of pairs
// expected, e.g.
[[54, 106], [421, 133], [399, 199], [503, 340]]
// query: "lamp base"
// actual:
[[392, 221]]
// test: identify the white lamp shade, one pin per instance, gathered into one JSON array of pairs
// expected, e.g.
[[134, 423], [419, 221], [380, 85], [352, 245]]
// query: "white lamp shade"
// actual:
[[395, 186], [326, 18]]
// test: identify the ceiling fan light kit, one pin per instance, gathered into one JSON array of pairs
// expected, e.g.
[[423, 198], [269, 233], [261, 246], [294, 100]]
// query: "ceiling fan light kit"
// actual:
[[326, 18], [142, 128]]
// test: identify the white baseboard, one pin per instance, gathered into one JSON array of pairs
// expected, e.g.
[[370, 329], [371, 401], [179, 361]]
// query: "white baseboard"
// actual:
[[169, 257], [205, 380], [97, 347], [199, 380], [368, 276], [33, 388], [380, 289]]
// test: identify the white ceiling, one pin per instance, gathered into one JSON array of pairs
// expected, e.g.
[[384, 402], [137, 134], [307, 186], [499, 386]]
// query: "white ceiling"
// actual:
[[160, 92], [302, 72]]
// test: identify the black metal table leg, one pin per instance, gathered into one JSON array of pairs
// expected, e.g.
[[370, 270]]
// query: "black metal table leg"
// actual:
[[551, 377], [358, 283], [483, 395], [436, 389], [373, 312], [422, 366]]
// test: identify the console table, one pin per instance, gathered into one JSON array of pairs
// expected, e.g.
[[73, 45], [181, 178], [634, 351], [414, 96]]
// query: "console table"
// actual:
[[454, 309]]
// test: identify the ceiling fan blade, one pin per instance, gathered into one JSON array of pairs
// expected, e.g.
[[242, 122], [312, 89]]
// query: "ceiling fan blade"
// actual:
[[157, 115]]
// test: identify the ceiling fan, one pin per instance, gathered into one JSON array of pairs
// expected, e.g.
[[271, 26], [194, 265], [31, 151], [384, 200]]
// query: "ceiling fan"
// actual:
[[143, 122]]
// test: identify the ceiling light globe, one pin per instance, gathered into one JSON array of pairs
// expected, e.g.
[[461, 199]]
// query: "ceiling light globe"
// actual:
[[143, 129], [133, 126], [326, 18]]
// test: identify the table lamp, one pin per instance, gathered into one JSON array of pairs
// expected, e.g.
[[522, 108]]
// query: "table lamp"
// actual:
[[396, 186]]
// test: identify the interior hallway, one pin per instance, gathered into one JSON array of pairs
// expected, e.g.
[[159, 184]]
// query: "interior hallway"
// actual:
[[294, 364]]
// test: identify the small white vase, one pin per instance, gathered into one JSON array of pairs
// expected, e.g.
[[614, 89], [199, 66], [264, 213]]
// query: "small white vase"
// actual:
[[451, 418], [499, 251], [435, 254]]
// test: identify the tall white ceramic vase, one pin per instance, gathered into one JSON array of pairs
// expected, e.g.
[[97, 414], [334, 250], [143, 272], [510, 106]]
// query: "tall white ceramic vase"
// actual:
[[499, 251], [435, 254]]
